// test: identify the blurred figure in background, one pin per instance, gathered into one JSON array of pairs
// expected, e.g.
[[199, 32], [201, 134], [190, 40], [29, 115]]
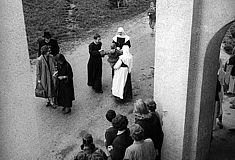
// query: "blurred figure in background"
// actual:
[[123, 139], [111, 132], [152, 16], [141, 149]]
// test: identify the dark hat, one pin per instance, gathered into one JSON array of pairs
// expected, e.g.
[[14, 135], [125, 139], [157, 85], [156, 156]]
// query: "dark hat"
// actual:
[[47, 35]]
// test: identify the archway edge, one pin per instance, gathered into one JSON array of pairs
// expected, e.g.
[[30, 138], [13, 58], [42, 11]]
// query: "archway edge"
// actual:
[[183, 31], [199, 112]]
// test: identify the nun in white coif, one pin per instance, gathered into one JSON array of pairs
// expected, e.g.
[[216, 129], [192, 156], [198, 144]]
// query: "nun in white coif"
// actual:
[[121, 38], [121, 86]]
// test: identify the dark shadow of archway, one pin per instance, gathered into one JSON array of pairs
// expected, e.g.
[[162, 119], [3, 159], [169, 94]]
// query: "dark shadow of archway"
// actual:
[[210, 69], [200, 142]]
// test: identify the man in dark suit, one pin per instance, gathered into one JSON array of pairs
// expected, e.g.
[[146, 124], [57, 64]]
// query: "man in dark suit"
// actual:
[[47, 40]]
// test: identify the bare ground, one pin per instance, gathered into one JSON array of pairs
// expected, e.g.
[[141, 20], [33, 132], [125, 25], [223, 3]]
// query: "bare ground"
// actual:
[[60, 135]]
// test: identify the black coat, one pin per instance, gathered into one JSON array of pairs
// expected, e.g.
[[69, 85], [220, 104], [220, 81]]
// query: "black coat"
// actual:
[[94, 66], [120, 144], [110, 135], [152, 129], [55, 49], [64, 88]]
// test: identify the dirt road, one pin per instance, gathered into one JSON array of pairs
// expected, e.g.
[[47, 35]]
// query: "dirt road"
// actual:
[[60, 135]]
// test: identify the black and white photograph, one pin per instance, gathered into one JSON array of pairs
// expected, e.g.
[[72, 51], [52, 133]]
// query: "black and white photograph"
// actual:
[[117, 80]]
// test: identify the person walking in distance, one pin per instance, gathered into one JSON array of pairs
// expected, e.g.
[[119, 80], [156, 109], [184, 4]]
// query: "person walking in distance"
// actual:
[[152, 16], [94, 65]]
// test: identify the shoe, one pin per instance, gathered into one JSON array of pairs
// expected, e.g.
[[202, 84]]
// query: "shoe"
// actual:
[[67, 110], [53, 106], [48, 104], [99, 91]]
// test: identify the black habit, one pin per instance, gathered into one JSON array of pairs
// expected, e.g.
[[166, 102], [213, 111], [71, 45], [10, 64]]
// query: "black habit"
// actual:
[[94, 67], [64, 87], [121, 42]]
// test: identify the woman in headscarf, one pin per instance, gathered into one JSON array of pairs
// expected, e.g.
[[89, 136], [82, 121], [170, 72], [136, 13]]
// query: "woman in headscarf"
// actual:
[[121, 38], [121, 86], [64, 85], [45, 69]]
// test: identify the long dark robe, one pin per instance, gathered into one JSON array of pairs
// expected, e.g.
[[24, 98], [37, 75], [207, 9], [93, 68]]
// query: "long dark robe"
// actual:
[[127, 94], [94, 67], [65, 89]]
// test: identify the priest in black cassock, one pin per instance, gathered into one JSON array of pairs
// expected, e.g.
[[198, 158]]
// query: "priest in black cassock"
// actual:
[[94, 65], [121, 38]]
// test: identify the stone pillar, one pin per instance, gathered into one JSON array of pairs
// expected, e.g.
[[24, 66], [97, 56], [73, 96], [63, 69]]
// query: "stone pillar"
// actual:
[[173, 35], [18, 126], [188, 38]]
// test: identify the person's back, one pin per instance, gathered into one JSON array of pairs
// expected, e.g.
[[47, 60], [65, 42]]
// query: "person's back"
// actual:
[[141, 150], [120, 143], [110, 135], [111, 132], [152, 13]]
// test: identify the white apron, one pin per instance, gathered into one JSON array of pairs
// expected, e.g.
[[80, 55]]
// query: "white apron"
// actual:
[[119, 81]]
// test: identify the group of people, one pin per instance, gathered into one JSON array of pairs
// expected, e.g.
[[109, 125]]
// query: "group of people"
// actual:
[[225, 82], [54, 75], [121, 62], [142, 141]]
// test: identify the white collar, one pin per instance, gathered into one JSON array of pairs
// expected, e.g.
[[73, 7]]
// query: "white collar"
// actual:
[[120, 132]]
